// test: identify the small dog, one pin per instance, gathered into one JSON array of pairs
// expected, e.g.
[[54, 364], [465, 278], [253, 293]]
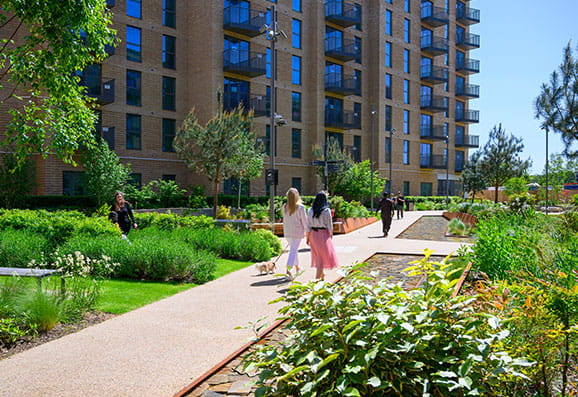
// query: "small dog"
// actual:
[[265, 267]]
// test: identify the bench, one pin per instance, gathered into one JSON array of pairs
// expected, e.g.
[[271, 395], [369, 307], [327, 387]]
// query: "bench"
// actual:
[[39, 274]]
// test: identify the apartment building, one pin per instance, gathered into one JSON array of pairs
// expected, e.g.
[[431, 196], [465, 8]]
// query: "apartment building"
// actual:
[[388, 79]]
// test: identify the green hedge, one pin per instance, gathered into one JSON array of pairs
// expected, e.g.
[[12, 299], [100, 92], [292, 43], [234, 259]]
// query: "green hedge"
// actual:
[[19, 247]]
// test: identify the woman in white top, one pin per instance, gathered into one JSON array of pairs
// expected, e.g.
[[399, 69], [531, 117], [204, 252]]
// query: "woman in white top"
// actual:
[[294, 227], [320, 236]]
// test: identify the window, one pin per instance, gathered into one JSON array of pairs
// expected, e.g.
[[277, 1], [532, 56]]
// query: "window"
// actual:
[[170, 13], [406, 188], [133, 8], [169, 87], [296, 143], [296, 183], [388, 111], [425, 188], [387, 150], [357, 47], [406, 121], [446, 32], [406, 5], [388, 54], [133, 87], [133, 40], [406, 152], [296, 34], [169, 52], [388, 29], [356, 150], [460, 107], [169, 132], [446, 59], [426, 125], [406, 30], [406, 58], [296, 106], [357, 113], [296, 70], [73, 183], [169, 177], [388, 86], [133, 131], [297, 5], [135, 179], [460, 134], [268, 63], [425, 155], [459, 161], [357, 11], [406, 91]]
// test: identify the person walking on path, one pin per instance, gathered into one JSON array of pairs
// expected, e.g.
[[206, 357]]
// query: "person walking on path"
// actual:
[[385, 205], [124, 216], [294, 227], [320, 236], [399, 203]]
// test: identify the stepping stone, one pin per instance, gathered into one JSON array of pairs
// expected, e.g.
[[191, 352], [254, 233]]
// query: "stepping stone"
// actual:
[[241, 387], [218, 379]]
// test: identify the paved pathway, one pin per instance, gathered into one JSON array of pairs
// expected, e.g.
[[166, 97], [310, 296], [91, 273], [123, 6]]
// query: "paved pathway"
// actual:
[[160, 348]]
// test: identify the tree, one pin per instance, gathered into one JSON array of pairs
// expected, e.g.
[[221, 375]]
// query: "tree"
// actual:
[[250, 162], [557, 104], [516, 186], [105, 175], [472, 176], [218, 149], [355, 183], [16, 180], [332, 152], [561, 170], [42, 45], [499, 158]]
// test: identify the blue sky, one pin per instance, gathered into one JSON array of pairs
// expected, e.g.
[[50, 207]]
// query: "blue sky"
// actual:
[[522, 43]]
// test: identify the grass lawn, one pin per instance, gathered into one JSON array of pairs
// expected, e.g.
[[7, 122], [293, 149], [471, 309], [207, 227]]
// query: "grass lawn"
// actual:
[[121, 296]]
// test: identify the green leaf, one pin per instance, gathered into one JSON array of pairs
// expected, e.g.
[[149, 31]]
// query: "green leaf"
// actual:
[[293, 372], [352, 392], [447, 374], [319, 330], [327, 360], [350, 325], [465, 367], [374, 381]]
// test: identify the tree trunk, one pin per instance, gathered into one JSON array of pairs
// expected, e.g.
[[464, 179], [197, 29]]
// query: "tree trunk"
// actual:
[[239, 195], [215, 197], [496, 194]]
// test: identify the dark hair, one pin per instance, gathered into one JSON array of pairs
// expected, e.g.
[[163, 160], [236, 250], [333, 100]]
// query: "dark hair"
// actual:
[[319, 204]]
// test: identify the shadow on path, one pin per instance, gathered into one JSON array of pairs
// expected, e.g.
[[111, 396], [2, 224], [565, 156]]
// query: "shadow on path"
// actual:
[[275, 281]]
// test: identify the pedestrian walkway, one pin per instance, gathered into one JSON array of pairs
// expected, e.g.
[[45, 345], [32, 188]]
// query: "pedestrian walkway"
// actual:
[[159, 349]]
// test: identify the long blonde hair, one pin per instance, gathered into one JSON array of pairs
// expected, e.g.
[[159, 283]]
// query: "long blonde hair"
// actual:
[[293, 200]]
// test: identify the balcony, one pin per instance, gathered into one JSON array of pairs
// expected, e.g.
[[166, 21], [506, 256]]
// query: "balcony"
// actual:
[[468, 66], [435, 161], [247, 63], [433, 45], [468, 41], [471, 141], [435, 132], [459, 165], [259, 103], [468, 91], [342, 13], [102, 92], [343, 119], [239, 19], [468, 116], [341, 84], [434, 16], [467, 15], [434, 74], [108, 134], [342, 49], [434, 103]]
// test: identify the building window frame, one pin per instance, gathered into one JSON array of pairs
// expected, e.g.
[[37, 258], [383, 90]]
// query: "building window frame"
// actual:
[[296, 106], [134, 8], [388, 54], [296, 70], [169, 132], [133, 44], [296, 33], [296, 143], [170, 13], [133, 87], [388, 86], [133, 131], [405, 151], [169, 93], [169, 55]]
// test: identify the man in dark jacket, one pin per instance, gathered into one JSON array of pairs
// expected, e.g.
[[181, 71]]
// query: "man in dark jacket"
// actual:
[[386, 207]]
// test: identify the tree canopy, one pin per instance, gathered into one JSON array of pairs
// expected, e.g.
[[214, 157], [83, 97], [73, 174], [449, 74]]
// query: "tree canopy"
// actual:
[[42, 45], [557, 104], [222, 148], [332, 152], [500, 158], [473, 178]]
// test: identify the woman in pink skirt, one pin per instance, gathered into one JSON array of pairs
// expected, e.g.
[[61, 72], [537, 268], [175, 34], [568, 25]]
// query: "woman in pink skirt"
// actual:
[[320, 236]]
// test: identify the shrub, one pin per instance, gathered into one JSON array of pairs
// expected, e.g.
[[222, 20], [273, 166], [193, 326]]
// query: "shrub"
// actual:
[[12, 329], [41, 309], [18, 247], [458, 227], [360, 339], [271, 239]]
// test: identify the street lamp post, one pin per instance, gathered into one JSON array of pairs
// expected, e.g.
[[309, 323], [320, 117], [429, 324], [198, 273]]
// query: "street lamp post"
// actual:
[[371, 146], [447, 139], [546, 170], [390, 182]]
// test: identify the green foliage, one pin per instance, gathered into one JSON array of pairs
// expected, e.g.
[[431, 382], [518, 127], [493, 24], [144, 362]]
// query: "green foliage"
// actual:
[[18, 247], [197, 197], [344, 209], [171, 221], [556, 105], [105, 174], [16, 180], [41, 309], [516, 186], [362, 339], [458, 228], [473, 178], [13, 329], [355, 183], [49, 111], [271, 239], [333, 152], [221, 149]]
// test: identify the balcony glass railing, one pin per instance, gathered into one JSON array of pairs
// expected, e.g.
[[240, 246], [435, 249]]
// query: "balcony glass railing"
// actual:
[[434, 45], [468, 90], [468, 66], [342, 13], [434, 103], [437, 161], [434, 74], [344, 119], [428, 131], [238, 18], [467, 41], [467, 15], [342, 84], [243, 62], [343, 49], [472, 141], [468, 116], [434, 16]]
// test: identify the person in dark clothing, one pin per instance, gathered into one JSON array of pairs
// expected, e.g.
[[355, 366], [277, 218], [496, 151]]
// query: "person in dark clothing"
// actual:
[[385, 205], [399, 203], [124, 216]]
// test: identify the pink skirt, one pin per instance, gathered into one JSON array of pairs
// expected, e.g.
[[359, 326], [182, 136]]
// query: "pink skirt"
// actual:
[[322, 251]]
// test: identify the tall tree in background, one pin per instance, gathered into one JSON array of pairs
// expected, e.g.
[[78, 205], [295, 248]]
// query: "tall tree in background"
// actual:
[[500, 158], [332, 151], [250, 161], [219, 149], [355, 183], [105, 174], [473, 178], [557, 104], [561, 170], [42, 45]]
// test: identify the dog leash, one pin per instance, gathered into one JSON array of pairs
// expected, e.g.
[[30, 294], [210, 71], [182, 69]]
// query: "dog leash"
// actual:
[[283, 250]]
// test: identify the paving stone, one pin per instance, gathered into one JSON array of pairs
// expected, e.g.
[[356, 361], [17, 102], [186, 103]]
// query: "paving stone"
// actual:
[[221, 388], [218, 379], [241, 387], [209, 393], [200, 389]]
